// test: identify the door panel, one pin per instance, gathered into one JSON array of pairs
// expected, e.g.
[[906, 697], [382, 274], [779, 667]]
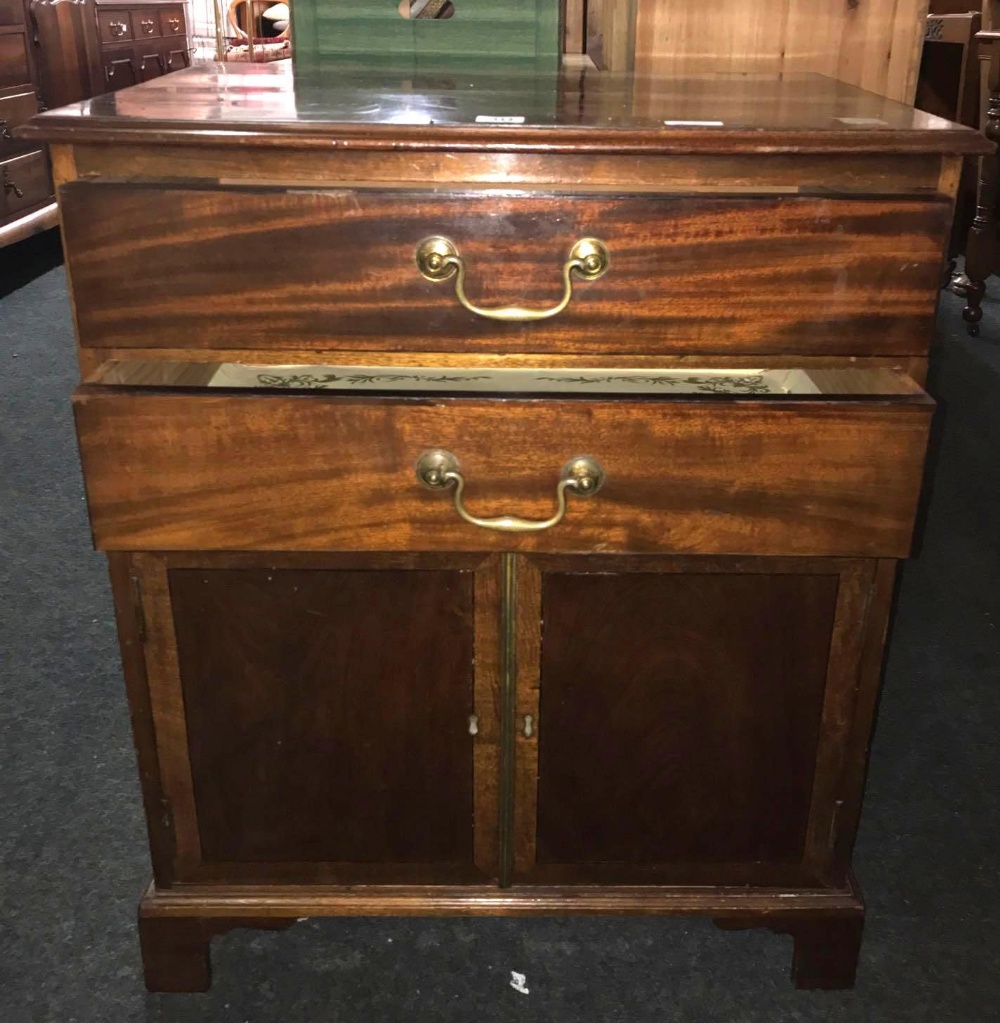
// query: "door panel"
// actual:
[[687, 715], [326, 707]]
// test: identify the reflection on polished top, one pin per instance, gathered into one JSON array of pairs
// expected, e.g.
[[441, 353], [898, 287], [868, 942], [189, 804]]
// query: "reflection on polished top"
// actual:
[[507, 109]]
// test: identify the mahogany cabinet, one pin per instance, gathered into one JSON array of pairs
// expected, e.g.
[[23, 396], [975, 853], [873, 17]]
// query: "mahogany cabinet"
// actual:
[[503, 491]]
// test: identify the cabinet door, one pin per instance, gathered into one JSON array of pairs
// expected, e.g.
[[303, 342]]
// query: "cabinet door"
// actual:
[[322, 718], [689, 717]]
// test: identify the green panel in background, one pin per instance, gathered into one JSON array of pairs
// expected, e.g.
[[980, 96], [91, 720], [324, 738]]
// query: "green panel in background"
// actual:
[[372, 32]]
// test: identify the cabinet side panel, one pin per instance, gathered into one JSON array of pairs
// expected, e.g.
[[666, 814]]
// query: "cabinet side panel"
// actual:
[[680, 716], [328, 713]]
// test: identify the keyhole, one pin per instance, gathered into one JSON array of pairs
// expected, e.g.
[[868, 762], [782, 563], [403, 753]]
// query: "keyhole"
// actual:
[[473, 725], [437, 10], [529, 726]]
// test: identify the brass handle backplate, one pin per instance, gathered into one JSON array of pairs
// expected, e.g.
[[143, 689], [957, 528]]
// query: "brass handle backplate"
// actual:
[[438, 470], [118, 28], [438, 260]]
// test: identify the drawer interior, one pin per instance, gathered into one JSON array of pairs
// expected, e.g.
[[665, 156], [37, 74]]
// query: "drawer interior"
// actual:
[[666, 383]]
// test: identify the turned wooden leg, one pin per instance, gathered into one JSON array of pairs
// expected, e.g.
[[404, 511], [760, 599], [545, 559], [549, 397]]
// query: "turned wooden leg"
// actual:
[[175, 953], [825, 949]]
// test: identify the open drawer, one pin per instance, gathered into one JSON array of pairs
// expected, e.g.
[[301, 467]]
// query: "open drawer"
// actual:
[[234, 457]]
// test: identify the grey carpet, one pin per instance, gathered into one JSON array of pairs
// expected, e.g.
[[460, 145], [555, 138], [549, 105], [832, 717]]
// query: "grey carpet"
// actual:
[[72, 856]]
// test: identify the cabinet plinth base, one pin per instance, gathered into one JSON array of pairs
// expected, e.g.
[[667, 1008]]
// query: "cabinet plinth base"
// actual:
[[176, 925]]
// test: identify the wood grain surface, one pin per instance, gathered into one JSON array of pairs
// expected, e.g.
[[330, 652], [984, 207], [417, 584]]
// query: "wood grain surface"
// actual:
[[322, 724], [695, 701], [175, 471], [246, 268]]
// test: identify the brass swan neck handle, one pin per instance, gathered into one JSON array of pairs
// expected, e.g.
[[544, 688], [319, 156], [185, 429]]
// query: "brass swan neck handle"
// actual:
[[438, 259], [439, 470]]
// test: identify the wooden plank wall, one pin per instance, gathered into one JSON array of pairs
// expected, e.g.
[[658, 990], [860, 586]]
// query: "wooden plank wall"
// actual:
[[872, 43]]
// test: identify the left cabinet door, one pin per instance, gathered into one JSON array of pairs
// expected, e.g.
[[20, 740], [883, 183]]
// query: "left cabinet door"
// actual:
[[318, 718]]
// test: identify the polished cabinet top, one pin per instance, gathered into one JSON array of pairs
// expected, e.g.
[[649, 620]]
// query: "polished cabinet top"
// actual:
[[504, 110]]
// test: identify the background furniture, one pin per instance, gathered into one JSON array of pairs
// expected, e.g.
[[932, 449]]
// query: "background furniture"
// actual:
[[54, 52], [948, 86], [874, 44], [360, 31], [353, 695], [140, 40], [27, 204], [982, 252]]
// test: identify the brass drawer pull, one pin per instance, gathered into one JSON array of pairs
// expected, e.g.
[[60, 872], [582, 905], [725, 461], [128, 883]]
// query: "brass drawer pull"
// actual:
[[117, 28], [438, 259], [9, 187], [438, 470], [147, 25]]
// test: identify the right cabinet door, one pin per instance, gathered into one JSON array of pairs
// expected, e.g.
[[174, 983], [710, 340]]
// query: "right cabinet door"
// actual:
[[687, 720]]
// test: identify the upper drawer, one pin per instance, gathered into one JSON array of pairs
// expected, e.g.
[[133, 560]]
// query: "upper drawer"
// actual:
[[255, 268], [146, 23], [189, 468], [14, 68], [11, 12], [114, 26], [172, 21]]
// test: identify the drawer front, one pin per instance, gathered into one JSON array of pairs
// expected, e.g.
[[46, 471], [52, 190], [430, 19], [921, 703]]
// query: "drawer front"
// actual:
[[175, 57], [25, 180], [150, 63], [172, 21], [121, 71], [15, 110], [230, 268], [14, 68], [182, 471], [146, 24], [114, 26], [11, 12]]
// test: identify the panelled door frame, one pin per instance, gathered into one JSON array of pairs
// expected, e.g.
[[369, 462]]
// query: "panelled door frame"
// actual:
[[858, 629], [507, 688], [145, 614]]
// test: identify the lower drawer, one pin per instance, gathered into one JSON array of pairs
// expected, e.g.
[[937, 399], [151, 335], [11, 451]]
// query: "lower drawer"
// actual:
[[189, 469], [15, 109], [25, 181]]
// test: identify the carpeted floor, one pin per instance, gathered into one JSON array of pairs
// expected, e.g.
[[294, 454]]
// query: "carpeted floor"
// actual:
[[72, 854]]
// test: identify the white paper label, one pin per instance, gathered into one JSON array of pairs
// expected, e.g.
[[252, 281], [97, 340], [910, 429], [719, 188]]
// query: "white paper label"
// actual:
[[490, 119], [694, 124]]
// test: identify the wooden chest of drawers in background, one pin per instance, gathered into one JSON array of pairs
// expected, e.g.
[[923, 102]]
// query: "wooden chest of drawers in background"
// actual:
[[503, 481], [54, 52], [27, 204], [140, 40]]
